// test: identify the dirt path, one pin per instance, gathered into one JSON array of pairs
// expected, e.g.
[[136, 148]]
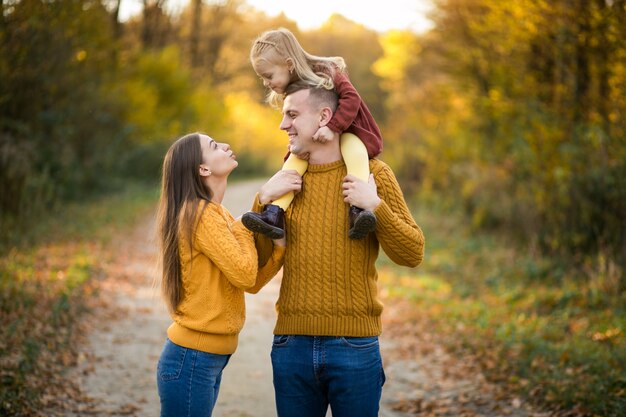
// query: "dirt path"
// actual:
[[117, 367]]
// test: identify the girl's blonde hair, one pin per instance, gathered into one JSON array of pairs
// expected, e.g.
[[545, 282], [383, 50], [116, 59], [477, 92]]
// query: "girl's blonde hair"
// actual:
[[316, 70]]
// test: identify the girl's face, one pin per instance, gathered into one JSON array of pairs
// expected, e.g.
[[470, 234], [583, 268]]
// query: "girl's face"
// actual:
[[274, 71], [217, 158]]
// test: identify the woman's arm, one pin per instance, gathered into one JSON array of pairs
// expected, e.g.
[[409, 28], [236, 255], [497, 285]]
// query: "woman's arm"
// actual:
[[271, 265], [230, 248]]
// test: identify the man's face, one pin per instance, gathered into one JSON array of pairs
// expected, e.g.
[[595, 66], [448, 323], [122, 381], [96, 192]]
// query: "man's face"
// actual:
[[300, 121]]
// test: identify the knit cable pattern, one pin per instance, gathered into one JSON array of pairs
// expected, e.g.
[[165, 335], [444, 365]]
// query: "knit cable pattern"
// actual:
[[329, 285]]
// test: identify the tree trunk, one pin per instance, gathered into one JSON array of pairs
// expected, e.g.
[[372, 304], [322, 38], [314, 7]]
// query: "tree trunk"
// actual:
[[194, 37], [115, 17], [582, 71], [152, 22]]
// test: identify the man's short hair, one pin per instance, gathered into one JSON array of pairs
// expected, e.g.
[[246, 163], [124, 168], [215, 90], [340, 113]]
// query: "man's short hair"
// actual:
[[320, 96]]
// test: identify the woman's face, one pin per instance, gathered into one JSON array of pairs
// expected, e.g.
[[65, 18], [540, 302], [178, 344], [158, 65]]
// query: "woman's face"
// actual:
[[273, 71], [217, 158]]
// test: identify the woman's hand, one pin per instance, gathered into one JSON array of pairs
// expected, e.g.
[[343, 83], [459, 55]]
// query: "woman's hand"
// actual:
[[360, 194], [280, 184], [280, 242]]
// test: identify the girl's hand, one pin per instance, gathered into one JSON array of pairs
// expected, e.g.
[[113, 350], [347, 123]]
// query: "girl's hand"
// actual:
[[323, 134]]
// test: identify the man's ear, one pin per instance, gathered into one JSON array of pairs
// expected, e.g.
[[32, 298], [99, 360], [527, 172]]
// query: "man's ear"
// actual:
[[325, 115], [204, 171]]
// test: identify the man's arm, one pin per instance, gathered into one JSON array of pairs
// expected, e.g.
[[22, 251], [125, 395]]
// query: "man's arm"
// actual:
[[398, 234]]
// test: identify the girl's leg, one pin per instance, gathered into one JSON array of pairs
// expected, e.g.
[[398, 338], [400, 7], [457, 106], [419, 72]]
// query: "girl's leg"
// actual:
[[300, 165], [271, 221], [355, 156]]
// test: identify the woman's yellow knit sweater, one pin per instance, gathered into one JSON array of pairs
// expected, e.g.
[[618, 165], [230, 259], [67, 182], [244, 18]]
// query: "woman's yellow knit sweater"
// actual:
[[329, 284], [221, 264]]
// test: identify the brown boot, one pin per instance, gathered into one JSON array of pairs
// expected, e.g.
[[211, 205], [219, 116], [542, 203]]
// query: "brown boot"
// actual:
[[270, 222], [362, 222]]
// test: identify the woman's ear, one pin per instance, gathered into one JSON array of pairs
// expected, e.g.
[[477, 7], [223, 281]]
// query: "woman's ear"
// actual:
[[204, 171]]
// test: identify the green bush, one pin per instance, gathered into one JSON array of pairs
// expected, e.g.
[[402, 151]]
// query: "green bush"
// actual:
[[534, 324]]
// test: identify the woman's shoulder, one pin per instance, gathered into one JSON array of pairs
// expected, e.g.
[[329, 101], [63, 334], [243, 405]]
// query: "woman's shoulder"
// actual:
[[210, 211], [207, 208]]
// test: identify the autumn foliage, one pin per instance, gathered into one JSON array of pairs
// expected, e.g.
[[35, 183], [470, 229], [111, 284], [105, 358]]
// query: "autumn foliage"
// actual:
[[507, 114]]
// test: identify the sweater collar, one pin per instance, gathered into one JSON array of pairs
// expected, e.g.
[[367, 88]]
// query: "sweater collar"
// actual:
[[326, 167]]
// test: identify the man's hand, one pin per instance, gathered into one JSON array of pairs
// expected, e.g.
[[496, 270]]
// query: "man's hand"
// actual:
[[359, 194], [323, 134], [280, 184]]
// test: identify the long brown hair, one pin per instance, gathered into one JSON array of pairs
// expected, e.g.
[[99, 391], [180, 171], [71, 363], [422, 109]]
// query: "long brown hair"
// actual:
[[182, 191]]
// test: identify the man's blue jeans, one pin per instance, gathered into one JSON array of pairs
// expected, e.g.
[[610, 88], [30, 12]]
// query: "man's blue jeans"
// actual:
[[188, 381], [311, 373]]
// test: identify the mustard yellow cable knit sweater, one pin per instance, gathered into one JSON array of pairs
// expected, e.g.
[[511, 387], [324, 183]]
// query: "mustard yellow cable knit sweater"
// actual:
[[329, 285], [222, 264]]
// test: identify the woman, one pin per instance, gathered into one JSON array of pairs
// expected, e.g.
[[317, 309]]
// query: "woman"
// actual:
[[208, 260]]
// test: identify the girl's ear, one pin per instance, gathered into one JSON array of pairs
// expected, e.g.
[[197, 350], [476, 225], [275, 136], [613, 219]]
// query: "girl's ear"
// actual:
[[204, 171], [290, 64]]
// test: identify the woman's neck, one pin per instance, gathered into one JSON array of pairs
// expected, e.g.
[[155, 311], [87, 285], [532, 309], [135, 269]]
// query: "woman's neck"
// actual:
[[218, 188]]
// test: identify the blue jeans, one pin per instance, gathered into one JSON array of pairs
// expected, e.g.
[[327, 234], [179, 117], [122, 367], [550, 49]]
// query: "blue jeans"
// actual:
[[188, 381], [313, 372]]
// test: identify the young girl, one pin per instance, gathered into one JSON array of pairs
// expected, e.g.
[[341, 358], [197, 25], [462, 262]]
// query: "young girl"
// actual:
[[208, 260], [278, 59]]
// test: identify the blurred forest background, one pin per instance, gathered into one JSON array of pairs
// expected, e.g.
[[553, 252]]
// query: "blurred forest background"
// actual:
[[509, 115]]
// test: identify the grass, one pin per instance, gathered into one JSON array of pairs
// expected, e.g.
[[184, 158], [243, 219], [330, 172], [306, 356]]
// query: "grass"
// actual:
[[542, 330], [547, 332], [97, 218], [45, 288]]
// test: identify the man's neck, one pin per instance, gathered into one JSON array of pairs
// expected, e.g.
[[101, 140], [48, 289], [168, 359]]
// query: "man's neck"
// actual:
[[326, 153], [324, 158]]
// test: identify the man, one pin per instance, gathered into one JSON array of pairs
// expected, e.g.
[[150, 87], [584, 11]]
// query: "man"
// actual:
[[325, 349]]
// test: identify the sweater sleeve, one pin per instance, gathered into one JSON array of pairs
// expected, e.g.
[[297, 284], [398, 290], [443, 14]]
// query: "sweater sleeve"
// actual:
[[270, 256], [230, 248], [349, 102], [269, 269], [400, 237]]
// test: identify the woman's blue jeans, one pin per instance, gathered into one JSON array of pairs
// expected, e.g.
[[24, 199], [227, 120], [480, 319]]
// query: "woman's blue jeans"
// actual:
[[311, 373], [188, 381]]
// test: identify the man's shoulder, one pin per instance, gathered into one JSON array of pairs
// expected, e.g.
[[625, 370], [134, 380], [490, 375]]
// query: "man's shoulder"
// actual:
[[383, 173], [376, 166]]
